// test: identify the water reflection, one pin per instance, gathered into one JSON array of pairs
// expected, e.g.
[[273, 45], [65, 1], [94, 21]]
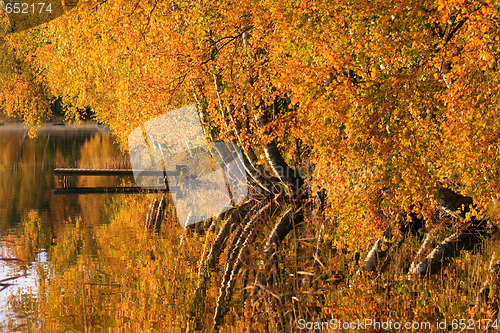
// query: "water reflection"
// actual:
[[28, 206]]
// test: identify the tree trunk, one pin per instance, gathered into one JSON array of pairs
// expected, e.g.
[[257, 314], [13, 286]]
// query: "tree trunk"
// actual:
[[428, 244], [464, 239], [288, 176], [381, 247]]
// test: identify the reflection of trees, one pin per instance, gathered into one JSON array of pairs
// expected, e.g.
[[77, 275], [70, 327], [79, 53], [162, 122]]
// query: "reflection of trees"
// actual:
[[26, 168], [132, 283], [7, 158], [98, 152], [30, 238]]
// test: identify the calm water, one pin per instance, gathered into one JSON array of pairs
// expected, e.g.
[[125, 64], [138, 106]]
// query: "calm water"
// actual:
[[26, 194]]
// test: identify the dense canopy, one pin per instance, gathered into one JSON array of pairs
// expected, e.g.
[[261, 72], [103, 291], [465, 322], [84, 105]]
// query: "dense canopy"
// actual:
[[380, 102]]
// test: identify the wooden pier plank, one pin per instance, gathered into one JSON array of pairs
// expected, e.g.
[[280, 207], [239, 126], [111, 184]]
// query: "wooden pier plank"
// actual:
[[109, 190], [111, 172]]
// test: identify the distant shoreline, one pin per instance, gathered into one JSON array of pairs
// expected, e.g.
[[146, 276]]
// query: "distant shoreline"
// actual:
[[4, 120], [54, 121], [54, 127], [10, 120]]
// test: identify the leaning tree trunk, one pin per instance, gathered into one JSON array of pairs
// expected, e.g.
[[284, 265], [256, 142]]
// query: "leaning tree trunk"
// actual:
[[378, 255], [270, 188], [426, 247], [469, 235], [288, 176], [466, 238]]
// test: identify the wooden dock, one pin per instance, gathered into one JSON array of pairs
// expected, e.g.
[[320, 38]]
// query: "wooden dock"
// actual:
[[66, 173], [115, 172], [110, 190]]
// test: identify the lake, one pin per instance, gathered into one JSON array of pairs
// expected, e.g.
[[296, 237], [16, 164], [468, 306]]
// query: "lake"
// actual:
[[27, 196], [87, 263]]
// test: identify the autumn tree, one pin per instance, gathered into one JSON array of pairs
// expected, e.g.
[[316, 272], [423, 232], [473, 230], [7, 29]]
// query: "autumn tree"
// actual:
[[22, 92], [384, 106]]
